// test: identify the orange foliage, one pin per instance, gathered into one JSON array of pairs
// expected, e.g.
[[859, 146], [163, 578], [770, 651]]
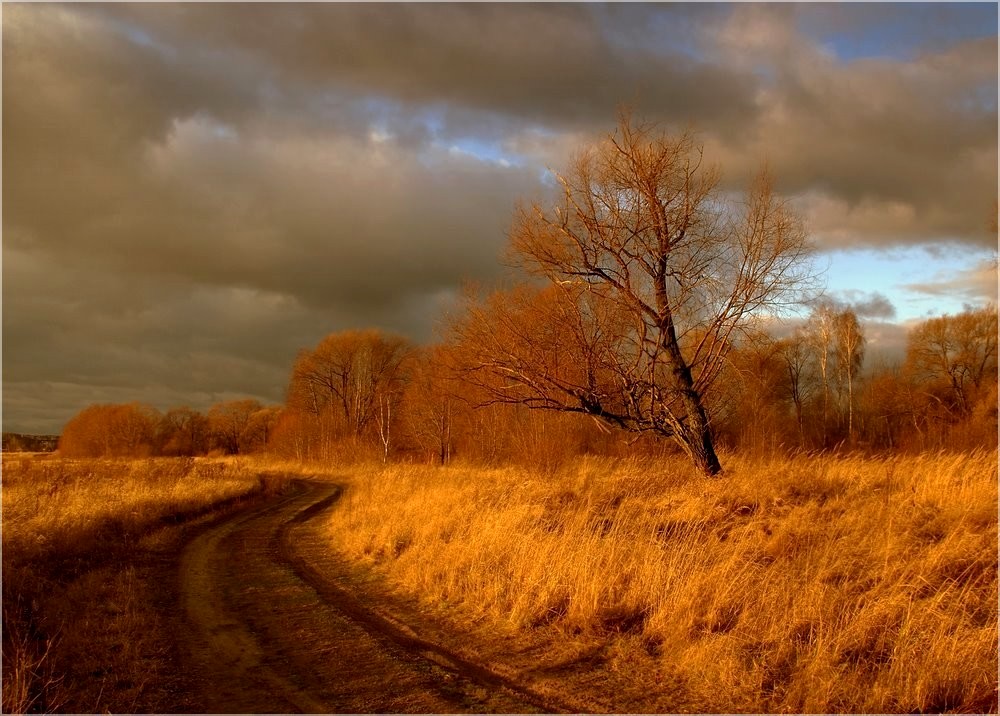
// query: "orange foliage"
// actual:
[[110, 431]]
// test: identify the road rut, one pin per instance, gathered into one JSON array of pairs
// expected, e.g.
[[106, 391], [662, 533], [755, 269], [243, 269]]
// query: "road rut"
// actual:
[[267, 632]]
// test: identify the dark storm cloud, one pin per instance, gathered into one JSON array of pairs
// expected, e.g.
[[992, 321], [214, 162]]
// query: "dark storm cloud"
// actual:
[[196, 191], [113, 336], [539, 62]]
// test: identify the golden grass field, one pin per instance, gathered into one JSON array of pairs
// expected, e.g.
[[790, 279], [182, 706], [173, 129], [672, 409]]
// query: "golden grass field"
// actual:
[[79, 544], [810, 584]]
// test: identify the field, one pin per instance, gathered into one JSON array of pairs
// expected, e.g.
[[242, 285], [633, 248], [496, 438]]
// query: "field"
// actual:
[[81, 539], [806, 584], [811, 584]]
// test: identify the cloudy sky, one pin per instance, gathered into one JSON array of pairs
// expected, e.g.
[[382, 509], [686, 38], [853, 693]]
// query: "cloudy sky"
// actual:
[[194, 192]]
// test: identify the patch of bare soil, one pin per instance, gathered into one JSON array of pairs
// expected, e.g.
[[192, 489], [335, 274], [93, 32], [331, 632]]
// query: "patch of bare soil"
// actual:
[[265, 630]]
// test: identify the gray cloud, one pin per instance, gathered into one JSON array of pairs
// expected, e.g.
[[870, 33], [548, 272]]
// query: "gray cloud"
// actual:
[[868, 304], [195, 191], [885, 343], [876, 151], [976, 285]]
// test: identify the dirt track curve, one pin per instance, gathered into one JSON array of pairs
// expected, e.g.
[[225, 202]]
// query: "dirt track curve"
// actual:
[[270, 630]]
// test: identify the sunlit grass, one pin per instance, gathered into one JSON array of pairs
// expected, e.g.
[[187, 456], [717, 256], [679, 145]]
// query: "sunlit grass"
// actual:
[[813, 584], [50, 505]]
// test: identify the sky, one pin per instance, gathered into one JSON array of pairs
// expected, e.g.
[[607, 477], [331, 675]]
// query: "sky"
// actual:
[[192, 193]]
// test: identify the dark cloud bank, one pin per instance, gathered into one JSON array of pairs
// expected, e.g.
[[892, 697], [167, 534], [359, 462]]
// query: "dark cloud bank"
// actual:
[[193, 192]]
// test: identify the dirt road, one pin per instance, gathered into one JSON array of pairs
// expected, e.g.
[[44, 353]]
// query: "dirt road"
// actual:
[[268, 628]]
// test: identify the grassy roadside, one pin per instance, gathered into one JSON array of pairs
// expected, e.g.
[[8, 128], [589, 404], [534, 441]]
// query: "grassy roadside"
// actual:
[[813, 584], [87, 555]]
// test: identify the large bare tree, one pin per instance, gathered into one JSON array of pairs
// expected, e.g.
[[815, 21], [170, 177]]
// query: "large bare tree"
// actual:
[[652, 271]]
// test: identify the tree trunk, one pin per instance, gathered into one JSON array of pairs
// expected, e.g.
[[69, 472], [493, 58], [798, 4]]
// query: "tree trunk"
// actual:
[[705, 458], [798, 421], [850, 406], [697, 440], [696, 435]]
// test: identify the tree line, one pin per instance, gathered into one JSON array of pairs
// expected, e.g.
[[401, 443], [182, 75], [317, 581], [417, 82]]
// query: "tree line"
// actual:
[[640, 321], [19, 442], [371, 395], [233, 427]]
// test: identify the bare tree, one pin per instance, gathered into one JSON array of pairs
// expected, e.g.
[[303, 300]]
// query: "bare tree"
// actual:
[[384, 423], [230, 424], [795, 354], [183, 431], [351, 380], [850, 347], [261, 426], [429, 403], [820, 330], [653, 271], [756, 401], [959, 351]]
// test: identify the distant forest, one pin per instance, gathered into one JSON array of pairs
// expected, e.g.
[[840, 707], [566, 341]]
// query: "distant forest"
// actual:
[[18, 442]]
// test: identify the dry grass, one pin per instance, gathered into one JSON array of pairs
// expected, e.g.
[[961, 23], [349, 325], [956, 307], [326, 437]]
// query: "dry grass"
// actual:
[[813, 584], [79, 623]]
